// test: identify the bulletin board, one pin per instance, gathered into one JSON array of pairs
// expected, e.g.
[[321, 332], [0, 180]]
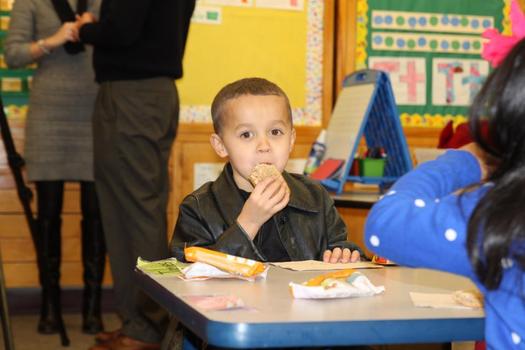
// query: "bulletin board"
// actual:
[[281, 40], [431, 50], [14, 83]]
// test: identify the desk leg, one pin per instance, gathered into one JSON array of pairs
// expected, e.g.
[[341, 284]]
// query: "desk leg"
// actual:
[[187, 344], [190, 341]]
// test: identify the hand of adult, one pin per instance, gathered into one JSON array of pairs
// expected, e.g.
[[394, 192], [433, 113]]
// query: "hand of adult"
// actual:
[[67, 32]]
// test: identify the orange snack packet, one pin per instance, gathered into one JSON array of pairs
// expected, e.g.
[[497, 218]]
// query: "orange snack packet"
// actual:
[[317, 280], [233, 264]]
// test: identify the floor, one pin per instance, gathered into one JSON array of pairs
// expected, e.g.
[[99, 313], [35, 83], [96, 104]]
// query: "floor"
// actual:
[[27, 338], [24, 309]]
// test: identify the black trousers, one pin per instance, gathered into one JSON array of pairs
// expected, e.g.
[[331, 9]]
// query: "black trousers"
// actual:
[[134, 126], [50, 199]]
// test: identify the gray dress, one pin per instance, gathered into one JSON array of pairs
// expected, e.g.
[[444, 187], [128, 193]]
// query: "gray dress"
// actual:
[[58, 140]]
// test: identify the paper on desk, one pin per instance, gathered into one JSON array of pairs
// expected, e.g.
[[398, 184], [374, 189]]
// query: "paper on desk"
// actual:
[[314, 265], [163, 268], [436, 301]]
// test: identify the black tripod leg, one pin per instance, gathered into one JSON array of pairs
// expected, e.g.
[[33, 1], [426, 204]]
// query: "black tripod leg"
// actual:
[[6, 325]]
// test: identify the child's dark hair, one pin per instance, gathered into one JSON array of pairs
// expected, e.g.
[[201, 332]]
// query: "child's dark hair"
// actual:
[[247, 86], [496, 229]]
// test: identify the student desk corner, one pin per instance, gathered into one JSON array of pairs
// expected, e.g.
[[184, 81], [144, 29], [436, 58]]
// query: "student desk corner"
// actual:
[[355, 199], [274, 319]]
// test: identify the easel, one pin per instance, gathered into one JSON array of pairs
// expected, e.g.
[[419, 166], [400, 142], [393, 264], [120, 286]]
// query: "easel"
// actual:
[[366, 107]]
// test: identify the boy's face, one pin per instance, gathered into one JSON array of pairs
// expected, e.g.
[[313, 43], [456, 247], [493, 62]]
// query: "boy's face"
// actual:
[[255, 129]]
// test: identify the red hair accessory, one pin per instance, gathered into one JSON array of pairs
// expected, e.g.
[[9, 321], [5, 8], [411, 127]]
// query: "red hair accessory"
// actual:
[[498, 46]]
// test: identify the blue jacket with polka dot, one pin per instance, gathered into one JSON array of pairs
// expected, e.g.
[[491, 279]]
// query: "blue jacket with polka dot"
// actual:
[[422, 222]]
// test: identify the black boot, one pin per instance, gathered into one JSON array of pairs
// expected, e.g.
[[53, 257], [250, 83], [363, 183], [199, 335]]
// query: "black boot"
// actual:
[[93, 259], [49, 272]]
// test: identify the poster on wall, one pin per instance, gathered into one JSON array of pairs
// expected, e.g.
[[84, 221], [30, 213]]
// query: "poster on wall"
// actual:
[[280, 40], [431, 50]]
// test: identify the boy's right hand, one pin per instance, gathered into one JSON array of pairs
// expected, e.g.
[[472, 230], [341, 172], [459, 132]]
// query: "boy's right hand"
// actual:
[[267, 198]]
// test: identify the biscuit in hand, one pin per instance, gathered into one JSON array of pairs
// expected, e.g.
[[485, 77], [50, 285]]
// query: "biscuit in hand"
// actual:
[[261, 172]]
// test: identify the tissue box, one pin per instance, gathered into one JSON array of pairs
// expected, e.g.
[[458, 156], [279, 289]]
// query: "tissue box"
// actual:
[[372, 167]]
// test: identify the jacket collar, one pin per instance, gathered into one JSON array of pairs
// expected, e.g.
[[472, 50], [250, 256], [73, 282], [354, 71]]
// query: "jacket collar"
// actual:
[[231, 202]]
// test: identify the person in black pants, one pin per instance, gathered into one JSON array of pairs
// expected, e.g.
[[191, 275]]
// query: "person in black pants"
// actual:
[[138, 50], [50, 196]]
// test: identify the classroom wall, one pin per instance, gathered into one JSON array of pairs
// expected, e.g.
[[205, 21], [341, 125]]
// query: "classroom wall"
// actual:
[[191, 147]]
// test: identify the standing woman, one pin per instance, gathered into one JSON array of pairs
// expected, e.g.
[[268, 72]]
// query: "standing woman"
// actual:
[[58, 144]]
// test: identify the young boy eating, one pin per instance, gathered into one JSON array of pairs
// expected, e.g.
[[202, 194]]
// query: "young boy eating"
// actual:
[[255, 209]]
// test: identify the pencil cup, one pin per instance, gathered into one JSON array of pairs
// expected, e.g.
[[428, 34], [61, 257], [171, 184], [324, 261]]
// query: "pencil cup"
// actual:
[[372, 167]]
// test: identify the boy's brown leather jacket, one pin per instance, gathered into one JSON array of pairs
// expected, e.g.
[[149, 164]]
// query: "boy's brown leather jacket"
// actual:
[[307, 226]]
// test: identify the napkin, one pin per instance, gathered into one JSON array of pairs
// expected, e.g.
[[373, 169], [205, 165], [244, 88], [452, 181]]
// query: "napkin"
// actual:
[[336, 285], [161, 268]]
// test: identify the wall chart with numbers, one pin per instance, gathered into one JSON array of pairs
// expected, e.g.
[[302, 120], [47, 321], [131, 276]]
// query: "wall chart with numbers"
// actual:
[[431, 49]]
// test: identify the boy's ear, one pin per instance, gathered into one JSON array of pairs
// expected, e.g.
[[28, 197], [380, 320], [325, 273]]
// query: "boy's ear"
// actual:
[[218, 145], [292, 140]]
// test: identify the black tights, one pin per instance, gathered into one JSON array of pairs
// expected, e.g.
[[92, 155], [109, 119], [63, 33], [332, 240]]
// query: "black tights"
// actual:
[[50, 196]]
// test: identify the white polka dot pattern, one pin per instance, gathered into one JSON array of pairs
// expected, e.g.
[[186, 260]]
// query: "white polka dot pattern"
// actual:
[[374, 241], [451, 235], [419, 203], [391, 193], [516, 339], [506, 263]]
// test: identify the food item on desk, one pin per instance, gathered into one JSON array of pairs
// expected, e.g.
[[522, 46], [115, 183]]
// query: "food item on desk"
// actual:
[[261, 172], [318, 280], [376, 259], [232, 264], [340, 284], [469, 298]]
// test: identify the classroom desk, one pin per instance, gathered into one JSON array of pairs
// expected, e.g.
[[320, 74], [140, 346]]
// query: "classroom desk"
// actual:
[[354, 199], [277, 320]]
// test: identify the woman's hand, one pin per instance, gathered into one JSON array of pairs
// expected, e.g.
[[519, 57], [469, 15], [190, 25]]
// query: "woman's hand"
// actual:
[[67, 32]]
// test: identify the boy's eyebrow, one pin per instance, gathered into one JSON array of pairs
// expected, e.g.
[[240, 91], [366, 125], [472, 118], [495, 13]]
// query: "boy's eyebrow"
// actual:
[[243, 125], [248, 125]]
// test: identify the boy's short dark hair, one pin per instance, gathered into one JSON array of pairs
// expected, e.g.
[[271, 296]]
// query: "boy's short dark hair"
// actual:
[[246, 86]]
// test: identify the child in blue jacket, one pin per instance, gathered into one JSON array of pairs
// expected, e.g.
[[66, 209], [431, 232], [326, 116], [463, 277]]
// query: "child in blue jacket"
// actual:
[[464, 212]]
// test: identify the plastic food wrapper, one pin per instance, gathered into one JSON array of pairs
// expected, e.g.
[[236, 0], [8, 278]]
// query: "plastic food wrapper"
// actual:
[[213, 264], [202, 271], [215, 302], [376, 259], [341, 284], [165, 268]]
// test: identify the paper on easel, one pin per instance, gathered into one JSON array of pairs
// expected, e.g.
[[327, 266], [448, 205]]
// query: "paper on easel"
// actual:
[[346, 121]]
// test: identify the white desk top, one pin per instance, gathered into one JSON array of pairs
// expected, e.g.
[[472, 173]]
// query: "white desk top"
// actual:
[[387, 318]]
